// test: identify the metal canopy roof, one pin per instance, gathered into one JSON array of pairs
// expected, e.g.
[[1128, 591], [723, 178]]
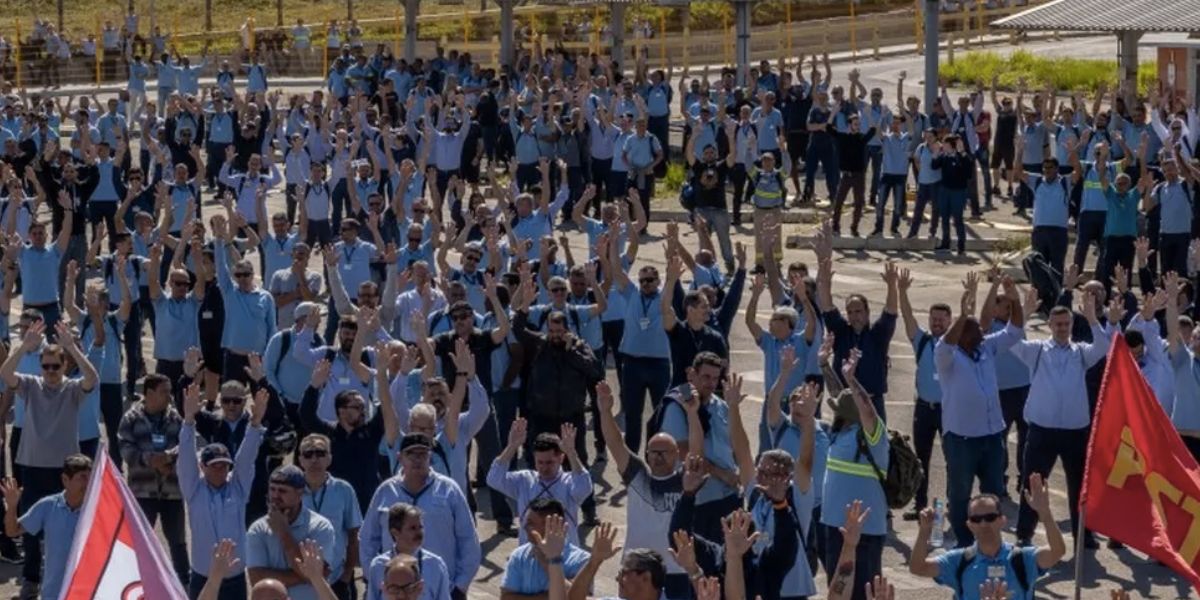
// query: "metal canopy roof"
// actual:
[[1109, 16]]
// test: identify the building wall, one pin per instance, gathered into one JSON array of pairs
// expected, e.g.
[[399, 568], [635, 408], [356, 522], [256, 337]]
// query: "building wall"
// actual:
[[1186, 69]]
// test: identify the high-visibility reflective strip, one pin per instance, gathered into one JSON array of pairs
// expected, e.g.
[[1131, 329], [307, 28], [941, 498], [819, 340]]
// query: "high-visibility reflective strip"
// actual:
[[851, 468]]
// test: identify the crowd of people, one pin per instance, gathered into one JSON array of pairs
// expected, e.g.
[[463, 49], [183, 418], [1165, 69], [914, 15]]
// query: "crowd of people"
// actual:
[[337, 389]]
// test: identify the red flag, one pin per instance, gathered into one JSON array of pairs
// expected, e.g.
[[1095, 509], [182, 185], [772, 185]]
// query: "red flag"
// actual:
[[1141, 486], [115, 554]]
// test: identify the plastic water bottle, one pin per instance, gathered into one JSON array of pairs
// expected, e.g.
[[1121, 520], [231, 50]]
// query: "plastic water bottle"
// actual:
[[939, 521]]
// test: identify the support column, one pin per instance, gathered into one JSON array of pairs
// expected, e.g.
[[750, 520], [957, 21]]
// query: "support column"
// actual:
[[506, 31], [931, 53], [411, 8], [742, 42], [1127, 58], [617, 25]]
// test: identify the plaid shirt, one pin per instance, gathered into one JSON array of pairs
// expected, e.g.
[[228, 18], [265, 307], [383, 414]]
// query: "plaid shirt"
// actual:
[[137, 436]]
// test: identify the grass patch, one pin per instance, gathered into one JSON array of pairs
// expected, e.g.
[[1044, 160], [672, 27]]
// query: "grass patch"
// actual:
[[1011, 244], [1064, 74], [676, 175]]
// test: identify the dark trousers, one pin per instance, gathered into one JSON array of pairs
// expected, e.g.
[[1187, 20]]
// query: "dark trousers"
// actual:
[[542, 424], [601, 167], [1089, 229], [983, 158], [344, 590], [1118, 250], [1173, 251], [212, 168], [103, 211], [38, 482], [50, 316], [1024, 197], [850, 181], [737, 176], [232, 588], [1193, 445], [488, 446], [1012, 405], [1044, 446], [612, 332], [951, 204], [821, 151], [135, 364], [318, 233], [927, 424], [234, 368], [707, 520], [528, 176], [1051, 242], [868, 558], [146, 307], [340, 198], [642, 375], [875, 161], [112, 408], [173, 525], [966, 459], [594, 412], [927, 193]]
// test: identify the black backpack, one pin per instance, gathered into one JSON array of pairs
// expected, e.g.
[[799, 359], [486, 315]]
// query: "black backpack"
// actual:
[[904, 472], [1016, 561], [1044, 278], [673, 396]]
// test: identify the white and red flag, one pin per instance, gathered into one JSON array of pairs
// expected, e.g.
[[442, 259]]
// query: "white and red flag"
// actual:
[[115, 555]]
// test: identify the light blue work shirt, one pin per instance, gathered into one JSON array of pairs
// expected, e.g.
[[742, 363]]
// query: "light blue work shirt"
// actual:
[[787, 437], [1010, 371], [1057, 390], [177, 326], [277, 252], [216, 514], [644, 335], [335, 500], [138, 72], [1122, 217], [289, 376], [570, 488], [264, 550], [718, 448], [772, 349], [525, 142], [56, 521], [1186, 413], [523, 574], [1034, 139], [895, 152], [110, 369], [430, 567], [638, 151], [354, 262], [983, 568], [970, 394], [38, 288], [1093, 196], [927, 174], [256, 78], [658, 99], [449, 525], [844, 483], [1176, 215], [1050, 200], [219, 127], [602, 141], [249, 316], [769, 125], [929, 388]]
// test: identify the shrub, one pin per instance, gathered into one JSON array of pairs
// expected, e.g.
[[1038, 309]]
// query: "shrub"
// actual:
[[1064, 74], [676, 175]]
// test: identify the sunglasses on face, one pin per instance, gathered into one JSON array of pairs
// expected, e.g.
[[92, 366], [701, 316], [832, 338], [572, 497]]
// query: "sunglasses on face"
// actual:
[[558, 290], [179, 283], [648, 279], [242, 275], [232, 400], [984, 518], [51, 366], [319, 453]]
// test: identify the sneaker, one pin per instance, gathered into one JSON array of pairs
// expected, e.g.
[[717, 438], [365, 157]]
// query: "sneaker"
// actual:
[[962, 252], [875, 234], [506, 529], [942, 249]]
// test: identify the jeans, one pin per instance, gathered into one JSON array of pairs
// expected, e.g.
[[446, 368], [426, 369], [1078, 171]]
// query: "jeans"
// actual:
[[642, 375], [875, 161], [951, 204], [927, 423], [966, 459], [1089, 229], [601, 167], [868, 558], [850, 181], [737, 176], [821, 150], [927, 193], [77, 251], [341, 202], [1012, 405], [112, 408], [488, 447], [173, 526], [232, 588], [613, 331], [1051, 242], [528, 176], [982, 158], [718, 222], [1043, 448], [895, 184], [37, 483]]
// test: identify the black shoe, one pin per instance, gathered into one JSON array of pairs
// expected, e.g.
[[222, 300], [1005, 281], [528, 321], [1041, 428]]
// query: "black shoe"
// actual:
[[912, 515], [1115, 545], [737, 221], [854, 232], [11, 555], [506, 529], [1024, 543], [962, 251], [589, 520], [837, 232], [1090, 543], [941, 248]]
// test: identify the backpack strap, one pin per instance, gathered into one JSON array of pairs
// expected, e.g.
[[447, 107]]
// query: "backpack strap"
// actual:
[[285, 345], [1037, 361], [968, 557], [926, 339], [1016, 560]]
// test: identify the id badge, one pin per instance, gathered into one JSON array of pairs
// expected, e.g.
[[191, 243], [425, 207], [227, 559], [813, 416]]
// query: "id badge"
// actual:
[[935, 376], [343, 381], [996, 571], [348, 267], [644, 323], [159, 440], [206, 314]]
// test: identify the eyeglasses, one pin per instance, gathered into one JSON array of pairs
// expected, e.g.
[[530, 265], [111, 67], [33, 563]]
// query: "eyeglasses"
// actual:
[[647, 279], [984, 518], [558, 290], [315, 453], [242, 275], [232, 400], [51, 366], [472, 257]]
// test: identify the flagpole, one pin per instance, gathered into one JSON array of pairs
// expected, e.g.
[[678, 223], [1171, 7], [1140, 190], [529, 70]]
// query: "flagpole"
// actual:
[[1079, 553]]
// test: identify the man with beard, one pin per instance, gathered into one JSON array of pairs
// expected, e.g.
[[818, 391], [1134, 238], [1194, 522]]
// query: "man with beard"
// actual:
[[273, 542]]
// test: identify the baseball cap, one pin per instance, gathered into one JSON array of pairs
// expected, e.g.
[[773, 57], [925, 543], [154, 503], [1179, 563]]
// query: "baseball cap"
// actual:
[[215, 453], [304, 309], [289, 475], [415, 440]]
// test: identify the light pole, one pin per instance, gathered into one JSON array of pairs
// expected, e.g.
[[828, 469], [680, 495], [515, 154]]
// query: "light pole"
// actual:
[[931, 53]]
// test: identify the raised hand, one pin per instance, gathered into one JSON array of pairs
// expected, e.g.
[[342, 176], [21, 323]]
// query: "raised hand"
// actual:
[[191, 401], [566, 433], [695, 472], [1038, 494], [707, 588], [12, 493], [550, 544], [904, 281], [517, 433], [993, 589], [34, 335], [193, 361], [310, 563], [738, 539], [733, 390], [856, 517], [224, 559], [604, 544], [850, 364], [255, 367], [604, 397], [880, 589], [806, 400], [825, 352], [684, 551], [258, 409], [320, 374]]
